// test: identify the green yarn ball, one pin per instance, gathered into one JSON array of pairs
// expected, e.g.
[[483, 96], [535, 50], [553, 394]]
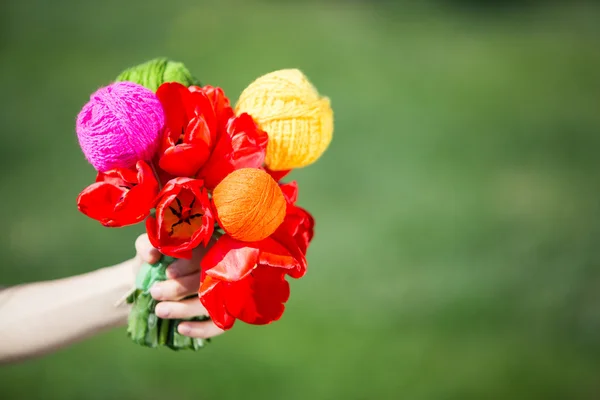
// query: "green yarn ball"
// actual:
[[154, 73]]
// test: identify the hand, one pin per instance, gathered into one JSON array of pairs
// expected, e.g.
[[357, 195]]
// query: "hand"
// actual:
[[183, 280]]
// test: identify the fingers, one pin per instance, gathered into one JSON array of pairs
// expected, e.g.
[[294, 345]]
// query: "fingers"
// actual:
[[182, 267], [180, 309], [203, 330], [183, 281], [145, 250], [176, 289]]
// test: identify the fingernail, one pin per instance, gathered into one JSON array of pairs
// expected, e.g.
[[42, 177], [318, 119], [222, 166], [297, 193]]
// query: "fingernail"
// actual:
[[184, 329], [162, 310], [156, 291]]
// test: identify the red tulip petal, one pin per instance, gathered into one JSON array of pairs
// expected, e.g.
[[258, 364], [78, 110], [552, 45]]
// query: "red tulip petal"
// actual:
[[145, 175], [259, 298], [220, 102], [198, 104], [118, 177], [230, 260], [152, 230], [173, 186], [122, 196], [243, 145], [277, 175], [181, 251], [98, 200], [162, 175], [298, 269], [212, 295], [276, 255], [138, 201], [184, 159], [221, 107], [290, 191], [172, 96], [305, 231], [134, 207], [248, 142], [198, 132]]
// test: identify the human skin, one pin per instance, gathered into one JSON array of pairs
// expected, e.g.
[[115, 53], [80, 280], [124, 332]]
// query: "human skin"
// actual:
[[41, 317]]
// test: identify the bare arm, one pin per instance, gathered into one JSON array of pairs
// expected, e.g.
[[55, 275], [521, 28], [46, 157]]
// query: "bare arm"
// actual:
[[41, 317]]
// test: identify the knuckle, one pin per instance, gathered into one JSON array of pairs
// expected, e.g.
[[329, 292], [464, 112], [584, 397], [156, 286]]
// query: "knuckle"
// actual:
[[172, 290], [141, 240], [190, 284]]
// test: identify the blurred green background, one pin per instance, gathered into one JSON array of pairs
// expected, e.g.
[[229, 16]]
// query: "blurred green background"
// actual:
[[456, 252]]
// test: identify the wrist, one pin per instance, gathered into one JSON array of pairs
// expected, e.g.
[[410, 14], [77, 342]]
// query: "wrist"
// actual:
[[125, 273], [123, 277]]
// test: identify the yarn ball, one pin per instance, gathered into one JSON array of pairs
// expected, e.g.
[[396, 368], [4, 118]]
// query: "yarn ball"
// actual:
[[297, 119], [120, 125], [154, 73], [250, 205]]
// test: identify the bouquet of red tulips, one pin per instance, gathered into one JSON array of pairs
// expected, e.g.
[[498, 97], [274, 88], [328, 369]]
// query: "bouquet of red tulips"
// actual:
[[177, 156]]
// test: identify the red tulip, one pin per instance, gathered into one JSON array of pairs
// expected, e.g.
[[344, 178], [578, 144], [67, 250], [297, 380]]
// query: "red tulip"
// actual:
[[297, 229], [220, 104], [246, 281], [183, 219], [120, 196], [241, 145], [193, 116]]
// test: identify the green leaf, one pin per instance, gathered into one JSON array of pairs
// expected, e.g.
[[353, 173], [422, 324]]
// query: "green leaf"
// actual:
[[163, 332], [144, 327], [142, 276], [151, 339], [138, 317]]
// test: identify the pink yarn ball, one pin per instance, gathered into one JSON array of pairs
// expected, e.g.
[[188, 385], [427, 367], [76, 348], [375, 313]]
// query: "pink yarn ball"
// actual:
[[120, 125]]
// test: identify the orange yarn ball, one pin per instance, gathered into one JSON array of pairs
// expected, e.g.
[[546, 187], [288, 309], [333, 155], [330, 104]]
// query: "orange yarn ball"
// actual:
[[250, 205]]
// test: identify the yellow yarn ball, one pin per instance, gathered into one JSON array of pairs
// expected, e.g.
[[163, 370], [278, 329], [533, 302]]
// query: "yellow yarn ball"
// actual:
[[298, 121]]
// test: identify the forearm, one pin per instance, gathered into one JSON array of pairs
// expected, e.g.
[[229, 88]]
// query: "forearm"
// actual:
[[41, 317]]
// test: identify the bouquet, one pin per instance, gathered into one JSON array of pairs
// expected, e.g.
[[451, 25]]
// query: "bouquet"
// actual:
[[174, 154]]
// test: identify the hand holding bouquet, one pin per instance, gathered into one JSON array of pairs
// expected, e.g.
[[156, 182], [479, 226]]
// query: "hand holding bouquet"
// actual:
[[176, 155]]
